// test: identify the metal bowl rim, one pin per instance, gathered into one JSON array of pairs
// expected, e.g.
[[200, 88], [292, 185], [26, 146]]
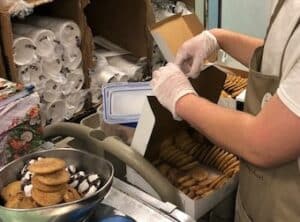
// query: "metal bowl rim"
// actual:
[[107, 184]]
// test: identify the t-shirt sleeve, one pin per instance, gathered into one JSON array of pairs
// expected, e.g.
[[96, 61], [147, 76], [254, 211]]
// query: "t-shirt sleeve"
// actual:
[[289, 89]]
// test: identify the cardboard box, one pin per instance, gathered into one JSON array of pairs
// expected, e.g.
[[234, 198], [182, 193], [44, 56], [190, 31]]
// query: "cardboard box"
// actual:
[[156, 124], [172, 32], [68, 9], [123, 22], [2, 65]]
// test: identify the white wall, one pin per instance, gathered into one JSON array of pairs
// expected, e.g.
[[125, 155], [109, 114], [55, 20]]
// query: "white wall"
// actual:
[[249, 17], [246, 16]]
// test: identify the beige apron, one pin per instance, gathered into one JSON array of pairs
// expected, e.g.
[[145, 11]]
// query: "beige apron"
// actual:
[[267, 195]]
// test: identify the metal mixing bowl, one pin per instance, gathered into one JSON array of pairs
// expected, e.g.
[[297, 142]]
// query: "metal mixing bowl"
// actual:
[[68, 212]]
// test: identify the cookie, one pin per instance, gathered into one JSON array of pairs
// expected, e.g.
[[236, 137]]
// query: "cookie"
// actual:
[[216, 181], [194, 149], [232, 171], [208, 155], [233, 165], [47, 199], [188, 183], [191, 194], [227, 162], [57, 178], [185, 160], [230, 161], [19, 201], [203, 153], [189, 166], [47, 165], [198, 174], [207, 182], [213, 155], [183, 179], [219, 159], [46, 188], [202, 191], [71, 195], [11, 190], [164, 169]]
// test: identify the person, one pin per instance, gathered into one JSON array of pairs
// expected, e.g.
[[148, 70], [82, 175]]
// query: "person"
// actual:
[[266, 136]]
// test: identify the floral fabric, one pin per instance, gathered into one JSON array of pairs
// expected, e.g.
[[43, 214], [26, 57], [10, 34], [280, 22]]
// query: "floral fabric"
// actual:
[[21, 128]]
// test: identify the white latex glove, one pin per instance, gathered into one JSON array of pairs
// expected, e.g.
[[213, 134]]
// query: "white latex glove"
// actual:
[[169, 84], [193, 53]]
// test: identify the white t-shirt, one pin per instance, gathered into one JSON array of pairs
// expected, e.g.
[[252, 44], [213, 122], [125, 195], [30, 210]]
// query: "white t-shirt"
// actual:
[[289, 88]]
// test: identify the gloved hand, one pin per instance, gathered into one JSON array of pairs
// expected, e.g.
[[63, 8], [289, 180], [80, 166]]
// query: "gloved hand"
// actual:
[[169, 84], [192, 54]]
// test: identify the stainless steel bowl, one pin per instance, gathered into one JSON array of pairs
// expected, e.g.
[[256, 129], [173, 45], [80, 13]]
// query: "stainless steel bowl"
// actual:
[[67, 212]]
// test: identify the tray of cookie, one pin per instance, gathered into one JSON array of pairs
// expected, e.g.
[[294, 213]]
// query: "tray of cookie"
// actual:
[[194, 165]]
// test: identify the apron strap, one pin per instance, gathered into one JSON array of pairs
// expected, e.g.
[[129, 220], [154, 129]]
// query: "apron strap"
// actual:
[[274, 15]]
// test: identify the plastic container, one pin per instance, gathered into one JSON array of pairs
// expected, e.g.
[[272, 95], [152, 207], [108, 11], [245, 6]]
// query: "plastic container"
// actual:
[[123, 102]]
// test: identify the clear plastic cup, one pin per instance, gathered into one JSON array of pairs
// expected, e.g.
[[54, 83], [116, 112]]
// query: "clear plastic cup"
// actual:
[[55, 111], [74, 83], [31, 74], [66, 31], [75, 103], [43, 38], [24, 50], [72, 58], [52, 68]]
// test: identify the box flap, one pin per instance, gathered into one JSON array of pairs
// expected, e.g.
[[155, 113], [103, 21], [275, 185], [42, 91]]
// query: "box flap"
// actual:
[[172, 32], [157, 123]]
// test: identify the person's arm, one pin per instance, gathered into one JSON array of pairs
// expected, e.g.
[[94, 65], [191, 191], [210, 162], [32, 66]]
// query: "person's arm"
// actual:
[[239, 46], [268, 139]]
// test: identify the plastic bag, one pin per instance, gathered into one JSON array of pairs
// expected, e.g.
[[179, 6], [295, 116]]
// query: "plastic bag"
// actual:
[[19, 8]]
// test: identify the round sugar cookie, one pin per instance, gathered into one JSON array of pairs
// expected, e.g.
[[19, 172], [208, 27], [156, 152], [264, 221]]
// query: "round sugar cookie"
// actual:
[[47, 165], [53, 179]]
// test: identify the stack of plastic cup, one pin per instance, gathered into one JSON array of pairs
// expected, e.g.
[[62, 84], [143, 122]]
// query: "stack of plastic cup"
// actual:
[[47, 53]]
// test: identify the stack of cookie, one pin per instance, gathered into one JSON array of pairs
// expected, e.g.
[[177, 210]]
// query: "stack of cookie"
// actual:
[[187, 160], [45, 184], [234, 85], [49, 181]]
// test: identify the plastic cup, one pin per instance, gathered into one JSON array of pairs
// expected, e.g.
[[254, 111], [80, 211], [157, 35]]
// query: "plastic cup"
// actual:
[[74, 83], [43, 38], [31, 74], [52, 68], [24, 50], [55, 111], [66, 31], [72, 57]]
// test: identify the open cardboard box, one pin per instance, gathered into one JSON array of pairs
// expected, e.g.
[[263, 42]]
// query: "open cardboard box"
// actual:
[[156, 124], [68, 9]]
